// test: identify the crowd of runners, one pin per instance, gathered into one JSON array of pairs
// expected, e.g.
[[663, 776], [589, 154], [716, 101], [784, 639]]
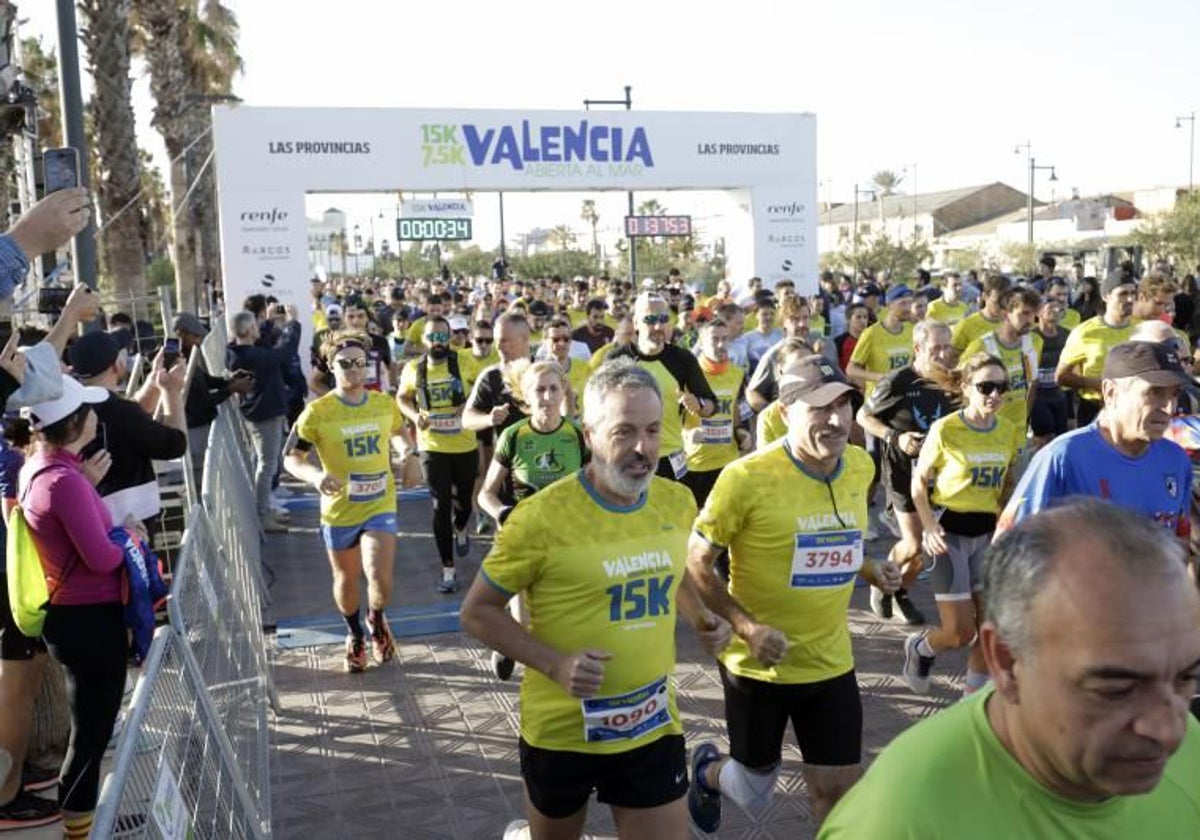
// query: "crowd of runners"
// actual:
[[642, 454]]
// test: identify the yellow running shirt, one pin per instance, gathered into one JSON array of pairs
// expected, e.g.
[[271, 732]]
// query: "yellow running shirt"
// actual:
[[577, 375], [1088, 345], [720, 443], [445, 432], [1021, 362], [969, 464], [353, 442], [595, 576], [880, 350], [947, 313], [970, 328], [1070, 319], [470, 366], [795, 549], [770, 426]]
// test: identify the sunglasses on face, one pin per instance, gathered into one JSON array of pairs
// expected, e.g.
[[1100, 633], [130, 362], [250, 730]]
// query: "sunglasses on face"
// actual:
[[462, 332], [989, 387], [485, 341], [351, 364], [651, 320], [438, 337]]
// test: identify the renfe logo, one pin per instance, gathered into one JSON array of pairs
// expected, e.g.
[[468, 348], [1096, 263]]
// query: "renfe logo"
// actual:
[[523, 144], [268, 217]]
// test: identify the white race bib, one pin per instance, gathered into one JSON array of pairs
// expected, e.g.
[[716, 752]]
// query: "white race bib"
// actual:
[[367, 487], [715, 431], [678, 464], [626, 716], [829, 558], [1046, 378], [445, 424]]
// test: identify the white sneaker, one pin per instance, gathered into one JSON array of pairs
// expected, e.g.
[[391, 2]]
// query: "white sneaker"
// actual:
[[916, 667], [517, 830]]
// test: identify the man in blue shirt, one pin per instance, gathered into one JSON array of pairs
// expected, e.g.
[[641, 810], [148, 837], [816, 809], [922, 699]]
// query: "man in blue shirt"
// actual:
[[1122, 456]]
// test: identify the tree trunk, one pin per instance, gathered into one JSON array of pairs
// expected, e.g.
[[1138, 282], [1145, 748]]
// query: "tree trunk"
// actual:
[[183, 248], [105, 34]]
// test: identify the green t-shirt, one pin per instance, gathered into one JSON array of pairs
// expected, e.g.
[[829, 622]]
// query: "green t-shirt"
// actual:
[[537, 459], [950, 777]]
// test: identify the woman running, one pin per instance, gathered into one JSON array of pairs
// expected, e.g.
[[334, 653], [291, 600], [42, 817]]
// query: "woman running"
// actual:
[[532, 454], [350, 429], [965, 458]]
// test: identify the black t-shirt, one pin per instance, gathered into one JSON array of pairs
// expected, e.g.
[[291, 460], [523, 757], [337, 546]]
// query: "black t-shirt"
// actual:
[[680, 363], [1052, 347], [134, 440], [594, 341], [490, 391], [904, 401]]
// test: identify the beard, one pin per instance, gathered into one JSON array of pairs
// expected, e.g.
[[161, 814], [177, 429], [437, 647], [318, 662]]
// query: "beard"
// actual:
[[439, 352], [618, 481]]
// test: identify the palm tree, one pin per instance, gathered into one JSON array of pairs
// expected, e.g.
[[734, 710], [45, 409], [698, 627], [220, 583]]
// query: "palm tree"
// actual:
[[192, 56], [886, 182], [651, 207], [562, 236], [40, 68], [105, 34], [589, 215]]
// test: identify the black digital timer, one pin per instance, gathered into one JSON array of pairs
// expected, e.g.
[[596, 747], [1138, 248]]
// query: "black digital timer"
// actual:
[[658, 225]]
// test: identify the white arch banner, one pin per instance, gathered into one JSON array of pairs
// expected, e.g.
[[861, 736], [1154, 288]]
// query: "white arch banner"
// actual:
[[269, 158]]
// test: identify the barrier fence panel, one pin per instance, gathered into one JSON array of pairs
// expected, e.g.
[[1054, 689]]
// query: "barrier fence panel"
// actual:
[[210, 609], [174, 773]]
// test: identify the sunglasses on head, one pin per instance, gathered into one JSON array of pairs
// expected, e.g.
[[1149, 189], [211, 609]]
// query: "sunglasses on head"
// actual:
[[351, 364], [437, 337], [651, 320], [989, 387]]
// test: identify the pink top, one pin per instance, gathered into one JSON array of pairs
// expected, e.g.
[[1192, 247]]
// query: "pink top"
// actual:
[[70, 526]]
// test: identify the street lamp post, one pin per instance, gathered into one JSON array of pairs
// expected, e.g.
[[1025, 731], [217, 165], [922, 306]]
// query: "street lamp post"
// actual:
[[628, 103], [1033, 168], [1191, 120]]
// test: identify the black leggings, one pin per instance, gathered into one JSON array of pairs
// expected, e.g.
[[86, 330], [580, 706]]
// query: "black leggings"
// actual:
[[450, 476], [89, 641]]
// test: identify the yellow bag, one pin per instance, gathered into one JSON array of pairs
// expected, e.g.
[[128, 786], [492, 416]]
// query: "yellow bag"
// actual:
[[28, 594]]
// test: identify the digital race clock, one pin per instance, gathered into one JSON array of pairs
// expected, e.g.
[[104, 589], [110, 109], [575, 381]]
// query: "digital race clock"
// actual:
[[658, 225], [413, 230]]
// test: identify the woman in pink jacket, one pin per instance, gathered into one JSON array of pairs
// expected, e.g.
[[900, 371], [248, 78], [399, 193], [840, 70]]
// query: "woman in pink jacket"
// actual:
[[85, 623]]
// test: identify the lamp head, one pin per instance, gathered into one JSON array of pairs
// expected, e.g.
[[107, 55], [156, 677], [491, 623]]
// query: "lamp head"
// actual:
[[1053, 176]]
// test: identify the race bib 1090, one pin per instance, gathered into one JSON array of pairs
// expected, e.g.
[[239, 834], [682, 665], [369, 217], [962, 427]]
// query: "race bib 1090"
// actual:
[[627, 716]]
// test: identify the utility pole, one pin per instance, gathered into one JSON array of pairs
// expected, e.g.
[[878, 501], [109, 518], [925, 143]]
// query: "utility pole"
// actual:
[[72, 117], [628, 103]]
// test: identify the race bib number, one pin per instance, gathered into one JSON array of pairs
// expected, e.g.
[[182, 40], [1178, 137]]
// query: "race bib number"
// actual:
[[830, 558], [367, 487], [678, 464], [716, 431], [626, 716], [445, 424], [1046, 378]]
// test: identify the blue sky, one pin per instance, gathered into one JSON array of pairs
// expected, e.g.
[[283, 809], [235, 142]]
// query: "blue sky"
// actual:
[[951, 87]]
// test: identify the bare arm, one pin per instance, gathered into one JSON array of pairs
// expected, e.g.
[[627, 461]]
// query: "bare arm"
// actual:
[[1068, 376], [711, 590], [82, 305], [489, 493], [872, 425], [860, 375]]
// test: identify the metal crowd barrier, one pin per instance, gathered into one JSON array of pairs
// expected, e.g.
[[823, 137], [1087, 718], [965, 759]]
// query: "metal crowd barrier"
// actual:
[[193, 760], [175, 774]]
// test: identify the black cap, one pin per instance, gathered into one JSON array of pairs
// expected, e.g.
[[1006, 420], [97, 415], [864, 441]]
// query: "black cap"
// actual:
[[93, 353], [1114, 280], [814, 381], [1158, 364], [539, 309]]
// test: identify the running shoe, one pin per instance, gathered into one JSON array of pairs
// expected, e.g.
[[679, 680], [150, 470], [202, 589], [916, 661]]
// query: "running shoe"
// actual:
[[356, 655], [28, 811], [881, 603], [704, 806], [383, 644], [502, 666], [916, 667], [462, 542], [447, 587], [517, 830], [34, 779], [912, 616]]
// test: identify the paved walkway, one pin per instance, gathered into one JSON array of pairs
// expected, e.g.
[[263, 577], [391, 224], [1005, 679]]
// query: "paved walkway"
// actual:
[[426, 746]]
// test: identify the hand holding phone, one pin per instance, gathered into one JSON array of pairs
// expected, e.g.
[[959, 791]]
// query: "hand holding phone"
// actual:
[[171, 351], [60, 169]]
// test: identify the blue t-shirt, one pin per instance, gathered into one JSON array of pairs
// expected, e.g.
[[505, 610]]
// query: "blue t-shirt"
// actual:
[[1082, 463], [10, 466]]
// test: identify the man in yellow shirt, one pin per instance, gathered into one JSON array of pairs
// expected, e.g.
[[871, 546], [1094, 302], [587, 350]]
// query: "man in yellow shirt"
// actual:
[[987, 318], [792, 518], [558, 336], [432, 395], [950, 308], [1082, 359], [886, 345], [1156, 302], [435, 307], [1014, 343], [600, 557], [1058, 290], [712, 442]]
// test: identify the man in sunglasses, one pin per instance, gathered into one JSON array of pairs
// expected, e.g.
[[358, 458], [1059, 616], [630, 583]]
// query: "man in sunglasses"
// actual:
[[432, 395], [678, 373], [558, 339], [1122, 456]]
